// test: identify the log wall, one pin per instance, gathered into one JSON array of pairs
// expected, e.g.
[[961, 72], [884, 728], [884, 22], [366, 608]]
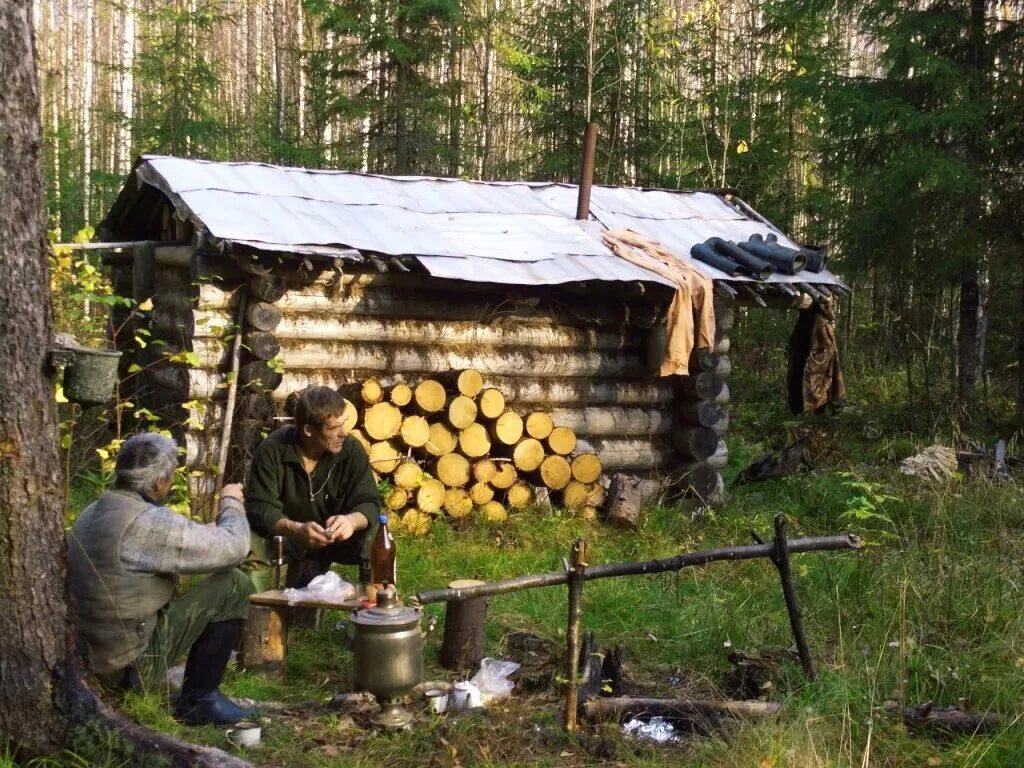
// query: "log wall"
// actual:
[[578, 353]]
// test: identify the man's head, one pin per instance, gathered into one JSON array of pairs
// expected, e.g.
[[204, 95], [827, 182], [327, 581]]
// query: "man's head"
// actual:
[[145, 464], [320, 419]]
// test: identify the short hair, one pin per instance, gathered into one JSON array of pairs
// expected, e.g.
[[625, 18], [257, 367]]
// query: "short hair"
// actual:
[[143, 460], [316, 405]]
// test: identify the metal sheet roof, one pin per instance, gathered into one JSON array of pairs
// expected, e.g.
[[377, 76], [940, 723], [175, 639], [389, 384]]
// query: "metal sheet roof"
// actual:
[[501, 232]]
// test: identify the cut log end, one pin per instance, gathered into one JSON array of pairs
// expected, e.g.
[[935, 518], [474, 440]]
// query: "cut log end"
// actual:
[[469, 383], [400, 395], [520, 495], [415, 431], [493, 512], [407, 475], [504, 476], [384, 457], [462, 412], [508, 428], [555, 472], [474, 441], [430, 396], [484, 470], [441, 440], [481, 493], [382, 421], [492, 403], [586, 468], [539, 425], [457, 503], [396, 498], [562, 441], [430, 496], [528, 454], [453, 470], [371, 392]]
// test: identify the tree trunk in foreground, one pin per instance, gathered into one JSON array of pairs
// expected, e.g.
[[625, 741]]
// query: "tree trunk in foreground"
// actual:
[[34, 636]]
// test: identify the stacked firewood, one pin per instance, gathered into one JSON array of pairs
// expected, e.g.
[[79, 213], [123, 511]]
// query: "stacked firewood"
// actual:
[[451, 446]]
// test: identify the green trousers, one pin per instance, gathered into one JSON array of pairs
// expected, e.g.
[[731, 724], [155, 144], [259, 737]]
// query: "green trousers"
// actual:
[[313, 563], [220, 597]]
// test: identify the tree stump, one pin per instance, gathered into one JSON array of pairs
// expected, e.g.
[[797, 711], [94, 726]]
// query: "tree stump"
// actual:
[[465, 624], [626, 496], [263, 640]]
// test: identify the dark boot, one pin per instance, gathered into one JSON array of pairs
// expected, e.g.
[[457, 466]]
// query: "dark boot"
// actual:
[[201, 702]]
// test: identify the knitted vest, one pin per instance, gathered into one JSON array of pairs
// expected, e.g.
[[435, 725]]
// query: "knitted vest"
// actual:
[[116, 608]]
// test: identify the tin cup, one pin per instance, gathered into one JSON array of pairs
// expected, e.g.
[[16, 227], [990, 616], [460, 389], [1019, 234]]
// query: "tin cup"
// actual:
[[437, 700]]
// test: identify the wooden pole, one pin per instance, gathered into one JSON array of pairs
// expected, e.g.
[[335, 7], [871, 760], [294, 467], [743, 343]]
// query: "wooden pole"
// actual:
[[688, 709], [577, 568], [781, 561], [229, 411], [586, 172], [676, 563]]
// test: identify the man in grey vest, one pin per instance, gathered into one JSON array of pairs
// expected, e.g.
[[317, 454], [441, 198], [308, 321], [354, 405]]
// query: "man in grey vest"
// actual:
[[126, 552]]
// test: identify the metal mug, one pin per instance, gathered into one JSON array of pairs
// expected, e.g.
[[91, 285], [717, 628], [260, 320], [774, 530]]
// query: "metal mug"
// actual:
[[437, 700]]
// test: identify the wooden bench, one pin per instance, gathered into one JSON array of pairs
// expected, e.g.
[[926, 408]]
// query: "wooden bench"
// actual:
[[264, 643]]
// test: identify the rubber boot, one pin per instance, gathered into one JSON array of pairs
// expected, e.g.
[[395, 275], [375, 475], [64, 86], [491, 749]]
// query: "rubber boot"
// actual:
[[201, 702]]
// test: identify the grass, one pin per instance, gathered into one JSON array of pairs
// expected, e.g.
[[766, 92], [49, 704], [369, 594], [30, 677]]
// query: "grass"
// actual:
[[930, 610]]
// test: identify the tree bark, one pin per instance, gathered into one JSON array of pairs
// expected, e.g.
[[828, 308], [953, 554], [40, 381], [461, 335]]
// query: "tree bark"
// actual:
[[35, 639]]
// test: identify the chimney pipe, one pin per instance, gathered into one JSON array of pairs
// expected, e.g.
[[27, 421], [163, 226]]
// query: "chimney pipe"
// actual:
[[587, 172]]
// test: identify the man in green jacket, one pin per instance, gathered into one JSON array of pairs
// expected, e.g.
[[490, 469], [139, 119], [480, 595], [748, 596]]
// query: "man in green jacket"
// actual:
[[312, 484]]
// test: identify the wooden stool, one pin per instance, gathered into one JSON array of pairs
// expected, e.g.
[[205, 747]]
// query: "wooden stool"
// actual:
[[264, 642]]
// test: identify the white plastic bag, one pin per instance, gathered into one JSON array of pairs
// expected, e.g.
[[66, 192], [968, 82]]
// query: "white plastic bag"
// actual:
[[492, 679], [328, 588]]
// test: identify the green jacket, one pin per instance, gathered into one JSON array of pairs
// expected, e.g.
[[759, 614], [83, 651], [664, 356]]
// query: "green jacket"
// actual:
[[279, 487]]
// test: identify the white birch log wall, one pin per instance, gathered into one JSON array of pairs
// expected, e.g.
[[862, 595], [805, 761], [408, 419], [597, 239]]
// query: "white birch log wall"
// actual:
[[575, 354]]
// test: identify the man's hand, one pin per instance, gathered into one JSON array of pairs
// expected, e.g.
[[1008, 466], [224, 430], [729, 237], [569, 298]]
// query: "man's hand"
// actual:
[[311, 535], [339, 528], [233, 491]]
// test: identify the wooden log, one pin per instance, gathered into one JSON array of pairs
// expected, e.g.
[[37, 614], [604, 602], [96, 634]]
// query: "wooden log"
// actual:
[[263, 640], [382, 421], [415, 431], [465, 630], [416, 522], [474, 441], [453, 470], [577, 494], [528, 454], [562, 441], [384, 457], [262, 316], [481, 493], [462, 411], [723, 395], [505, 476], [695, 443], [267, 288], [707, 361], [371, 392], [257, 374], [429, 396], [725, 319], [539, 425], [469, 383], [407, 475], [720, 458], [349, 415], [400, 395], [703, 483], [484, 470], [620, 454], [507, 429], [722, 345], [519, 496], [723, 425], [701, 386], [430, 496], [612, 421], [457, 503], [262, 345], [702, 413], [680, 709], [491, 403], [556, 472], [493, 512], [588, 512], [586, 467], [441, 440], [396, 498]]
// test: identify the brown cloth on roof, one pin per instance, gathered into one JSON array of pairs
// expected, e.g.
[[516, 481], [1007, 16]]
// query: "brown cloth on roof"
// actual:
[[815, 378], [691, 315]]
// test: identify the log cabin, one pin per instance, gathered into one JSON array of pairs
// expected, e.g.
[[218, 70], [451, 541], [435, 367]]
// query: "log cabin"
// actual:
[[335, 277]]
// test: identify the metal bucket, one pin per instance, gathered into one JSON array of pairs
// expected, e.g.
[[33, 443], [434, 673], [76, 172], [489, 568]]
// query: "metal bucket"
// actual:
[[90, 379]]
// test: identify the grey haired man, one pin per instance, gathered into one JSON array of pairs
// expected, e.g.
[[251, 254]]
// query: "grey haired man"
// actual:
[[126, 552]]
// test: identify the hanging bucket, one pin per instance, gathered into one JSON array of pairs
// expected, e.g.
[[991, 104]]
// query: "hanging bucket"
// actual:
[[90, 379]]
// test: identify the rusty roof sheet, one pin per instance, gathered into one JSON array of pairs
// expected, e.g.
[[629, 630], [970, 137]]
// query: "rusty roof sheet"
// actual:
[[502, 232]]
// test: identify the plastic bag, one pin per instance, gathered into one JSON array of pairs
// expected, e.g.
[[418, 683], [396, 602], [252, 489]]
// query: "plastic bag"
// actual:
[[492, 679], [328, 588]]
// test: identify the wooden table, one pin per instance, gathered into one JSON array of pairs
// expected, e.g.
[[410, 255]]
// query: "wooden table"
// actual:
[[264, 645]]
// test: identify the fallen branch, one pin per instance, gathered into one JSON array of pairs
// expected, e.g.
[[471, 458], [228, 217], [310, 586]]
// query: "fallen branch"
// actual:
[[927, 717], [684, 560], [681, 709]]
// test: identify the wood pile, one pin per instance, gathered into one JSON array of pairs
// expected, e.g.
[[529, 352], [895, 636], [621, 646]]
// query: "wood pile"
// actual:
[[448, 446]]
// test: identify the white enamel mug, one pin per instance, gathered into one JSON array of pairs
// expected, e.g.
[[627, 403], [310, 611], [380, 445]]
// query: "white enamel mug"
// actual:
[[245, 733]]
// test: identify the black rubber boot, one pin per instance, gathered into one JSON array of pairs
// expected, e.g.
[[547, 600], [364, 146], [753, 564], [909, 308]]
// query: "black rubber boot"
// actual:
[[201, 702]]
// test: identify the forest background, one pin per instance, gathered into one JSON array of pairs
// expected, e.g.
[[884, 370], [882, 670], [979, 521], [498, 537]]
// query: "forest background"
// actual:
[[888, 131]]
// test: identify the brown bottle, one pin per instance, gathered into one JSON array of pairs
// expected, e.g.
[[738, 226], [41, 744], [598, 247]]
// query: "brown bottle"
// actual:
[[382, 555]]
